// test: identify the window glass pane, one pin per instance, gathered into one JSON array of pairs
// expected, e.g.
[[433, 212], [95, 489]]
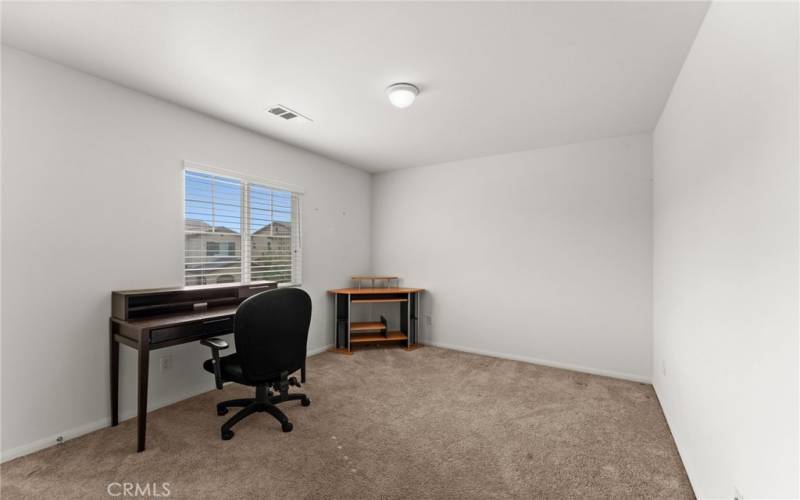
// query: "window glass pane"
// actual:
[[212, 233], [271, 255]]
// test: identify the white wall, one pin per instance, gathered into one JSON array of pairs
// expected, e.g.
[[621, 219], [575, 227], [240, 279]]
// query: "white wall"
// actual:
[[541, 255], [91, 202], [726, 254]]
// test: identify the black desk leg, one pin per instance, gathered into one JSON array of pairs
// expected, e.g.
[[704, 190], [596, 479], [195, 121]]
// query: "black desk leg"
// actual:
[[303, 372], [114, 376], [144, 369]]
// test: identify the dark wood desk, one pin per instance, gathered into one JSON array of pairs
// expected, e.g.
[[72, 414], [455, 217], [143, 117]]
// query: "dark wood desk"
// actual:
[[146, 320]]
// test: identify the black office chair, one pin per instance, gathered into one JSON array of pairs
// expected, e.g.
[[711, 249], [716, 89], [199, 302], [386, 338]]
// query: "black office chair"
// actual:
[[270, 332]]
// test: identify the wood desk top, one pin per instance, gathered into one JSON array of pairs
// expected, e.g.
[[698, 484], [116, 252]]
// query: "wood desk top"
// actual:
[[374, 291], [194, 288], [177, 319]]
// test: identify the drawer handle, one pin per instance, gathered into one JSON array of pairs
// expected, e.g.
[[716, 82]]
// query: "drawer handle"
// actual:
[[209, 321], [259, 287]]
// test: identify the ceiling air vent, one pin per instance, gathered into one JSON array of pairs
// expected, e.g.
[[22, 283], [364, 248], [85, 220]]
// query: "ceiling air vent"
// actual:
[[282, 111]]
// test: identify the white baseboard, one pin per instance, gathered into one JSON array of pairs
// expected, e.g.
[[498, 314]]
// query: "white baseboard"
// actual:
[[318, 350], [543, 362], [49, 441], [66, 435]]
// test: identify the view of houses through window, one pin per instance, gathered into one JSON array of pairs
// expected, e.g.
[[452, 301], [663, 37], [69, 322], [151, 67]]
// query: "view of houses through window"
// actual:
[[238, 231]]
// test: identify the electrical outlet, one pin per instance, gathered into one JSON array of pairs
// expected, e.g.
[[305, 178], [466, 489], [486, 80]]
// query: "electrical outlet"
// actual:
[[428, 320], [166, 363]]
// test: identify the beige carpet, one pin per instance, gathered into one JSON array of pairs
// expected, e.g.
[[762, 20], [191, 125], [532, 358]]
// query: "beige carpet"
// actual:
[[385, 423]]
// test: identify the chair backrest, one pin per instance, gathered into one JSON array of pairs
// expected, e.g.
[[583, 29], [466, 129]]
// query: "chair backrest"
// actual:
[[271, 331]]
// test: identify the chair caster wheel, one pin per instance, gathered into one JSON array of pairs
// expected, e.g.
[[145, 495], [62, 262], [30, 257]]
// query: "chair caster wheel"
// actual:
[[305, 402], [226, 435], [287, 427], [221, 410]]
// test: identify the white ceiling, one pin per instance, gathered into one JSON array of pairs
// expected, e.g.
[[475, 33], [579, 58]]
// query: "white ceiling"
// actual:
[[494, 77]]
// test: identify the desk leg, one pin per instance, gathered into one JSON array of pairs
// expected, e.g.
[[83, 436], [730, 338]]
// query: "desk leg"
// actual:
[[144, 370], [114, 376], [303, 372]]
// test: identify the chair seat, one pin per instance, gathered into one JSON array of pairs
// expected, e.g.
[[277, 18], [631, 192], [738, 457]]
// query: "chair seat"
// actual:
[[231, 370]]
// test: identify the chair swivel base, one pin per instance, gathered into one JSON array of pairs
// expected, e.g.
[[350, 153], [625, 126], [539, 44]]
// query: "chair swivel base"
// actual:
[[263, 402]]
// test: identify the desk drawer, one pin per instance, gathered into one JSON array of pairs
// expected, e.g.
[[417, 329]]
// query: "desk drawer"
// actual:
[[216, 326]]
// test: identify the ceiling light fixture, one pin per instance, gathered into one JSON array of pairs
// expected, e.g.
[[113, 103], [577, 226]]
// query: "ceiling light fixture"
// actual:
[[402, 95]]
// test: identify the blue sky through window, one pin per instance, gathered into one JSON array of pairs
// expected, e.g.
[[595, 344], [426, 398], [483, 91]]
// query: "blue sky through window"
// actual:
[[217, 201]]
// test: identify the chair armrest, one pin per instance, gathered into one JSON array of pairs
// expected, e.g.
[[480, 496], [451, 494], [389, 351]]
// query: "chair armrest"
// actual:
[[216, 345]]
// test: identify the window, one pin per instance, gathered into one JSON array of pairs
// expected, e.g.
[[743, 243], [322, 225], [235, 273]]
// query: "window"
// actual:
[[227, 248], [239, 230]]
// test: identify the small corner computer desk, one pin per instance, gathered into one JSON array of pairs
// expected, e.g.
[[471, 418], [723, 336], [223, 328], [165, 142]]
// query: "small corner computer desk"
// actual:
[[348, 333]]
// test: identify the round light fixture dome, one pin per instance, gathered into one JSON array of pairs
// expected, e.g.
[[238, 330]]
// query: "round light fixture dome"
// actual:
[[402, 95]]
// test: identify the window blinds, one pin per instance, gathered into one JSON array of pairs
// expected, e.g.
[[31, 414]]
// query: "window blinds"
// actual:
[[239, 230]]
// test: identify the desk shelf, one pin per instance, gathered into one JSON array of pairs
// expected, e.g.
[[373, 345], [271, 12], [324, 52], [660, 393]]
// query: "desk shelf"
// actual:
[[368, 326], [377, 301], [370, 338]]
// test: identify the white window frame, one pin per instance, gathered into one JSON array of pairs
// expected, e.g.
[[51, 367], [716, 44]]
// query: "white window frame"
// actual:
[[246, 239]]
